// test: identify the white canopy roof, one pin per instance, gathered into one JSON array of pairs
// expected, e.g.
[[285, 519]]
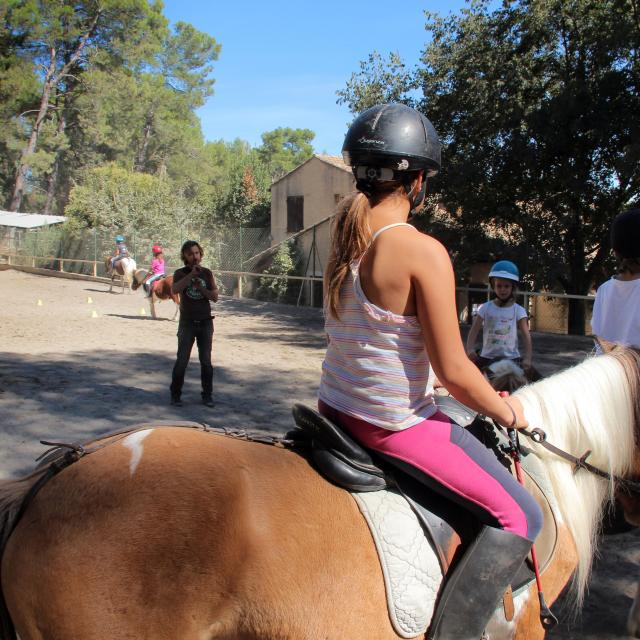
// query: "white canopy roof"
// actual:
[[28, 220]]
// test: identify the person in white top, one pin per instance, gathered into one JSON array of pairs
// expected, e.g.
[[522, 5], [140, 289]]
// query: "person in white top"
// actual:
[[500, 320], [616, 310]]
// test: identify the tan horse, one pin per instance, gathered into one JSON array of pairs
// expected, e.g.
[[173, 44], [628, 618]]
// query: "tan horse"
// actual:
[[161, 291], [124, 268], [175, 533]]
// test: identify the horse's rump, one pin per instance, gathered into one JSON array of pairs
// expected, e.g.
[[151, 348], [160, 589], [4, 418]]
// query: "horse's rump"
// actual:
[[177, 531]]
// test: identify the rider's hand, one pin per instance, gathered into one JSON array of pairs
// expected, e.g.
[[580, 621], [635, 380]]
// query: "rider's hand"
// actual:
[[516, 405]]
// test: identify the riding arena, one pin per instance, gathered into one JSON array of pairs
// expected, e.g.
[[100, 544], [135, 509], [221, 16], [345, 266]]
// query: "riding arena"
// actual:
[[80, 361]]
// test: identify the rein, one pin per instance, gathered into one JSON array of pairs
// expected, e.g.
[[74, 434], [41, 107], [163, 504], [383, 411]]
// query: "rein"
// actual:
[[540, 437]]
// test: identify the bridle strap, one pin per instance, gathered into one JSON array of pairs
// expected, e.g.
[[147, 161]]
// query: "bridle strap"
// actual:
[[540, 437]]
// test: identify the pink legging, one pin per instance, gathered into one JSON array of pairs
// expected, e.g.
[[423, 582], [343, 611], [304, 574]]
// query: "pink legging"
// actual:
[[455, 464]]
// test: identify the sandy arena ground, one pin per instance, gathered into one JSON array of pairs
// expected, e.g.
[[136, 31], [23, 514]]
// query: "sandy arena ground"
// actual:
[[87, 361]]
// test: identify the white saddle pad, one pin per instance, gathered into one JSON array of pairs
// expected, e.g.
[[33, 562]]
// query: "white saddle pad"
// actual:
[[411, 570]]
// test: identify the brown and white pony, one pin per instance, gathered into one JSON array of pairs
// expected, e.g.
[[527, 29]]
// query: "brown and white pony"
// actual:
[[161, 291], [175, 533], [124, 268]]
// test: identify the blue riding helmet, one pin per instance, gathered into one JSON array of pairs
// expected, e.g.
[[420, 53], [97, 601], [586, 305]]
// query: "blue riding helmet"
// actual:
[[505, 269], [119, 238]]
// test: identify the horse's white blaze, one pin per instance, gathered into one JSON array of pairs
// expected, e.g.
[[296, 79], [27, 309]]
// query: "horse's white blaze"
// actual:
[[134, 444]]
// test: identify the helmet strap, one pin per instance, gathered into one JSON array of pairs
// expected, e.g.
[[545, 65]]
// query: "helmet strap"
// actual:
[[419, 197], [364, 186], [416, 200]]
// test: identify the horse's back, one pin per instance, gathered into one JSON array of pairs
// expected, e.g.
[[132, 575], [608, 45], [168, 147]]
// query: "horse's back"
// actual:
[[179, 533]]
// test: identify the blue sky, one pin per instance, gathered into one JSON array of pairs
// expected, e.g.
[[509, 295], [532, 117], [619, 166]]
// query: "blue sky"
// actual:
[[282, 61]]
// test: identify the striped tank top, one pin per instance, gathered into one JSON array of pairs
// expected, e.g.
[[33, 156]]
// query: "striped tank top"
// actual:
[[376, 367]]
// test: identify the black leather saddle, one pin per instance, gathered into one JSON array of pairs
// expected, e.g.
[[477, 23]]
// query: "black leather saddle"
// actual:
[[346, 464]]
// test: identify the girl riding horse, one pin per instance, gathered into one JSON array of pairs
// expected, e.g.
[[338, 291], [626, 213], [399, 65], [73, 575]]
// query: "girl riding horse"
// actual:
[[390, 318]]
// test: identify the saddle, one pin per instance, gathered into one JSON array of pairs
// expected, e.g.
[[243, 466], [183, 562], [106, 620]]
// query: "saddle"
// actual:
[[448, 527]]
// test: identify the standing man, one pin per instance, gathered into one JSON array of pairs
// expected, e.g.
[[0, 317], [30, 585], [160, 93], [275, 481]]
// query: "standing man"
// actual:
[[197, 288]]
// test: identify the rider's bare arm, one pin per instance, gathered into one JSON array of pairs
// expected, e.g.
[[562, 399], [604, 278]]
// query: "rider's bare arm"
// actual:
[[434, 285]]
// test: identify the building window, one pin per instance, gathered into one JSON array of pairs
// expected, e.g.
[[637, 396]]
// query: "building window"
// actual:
[[295, 213]]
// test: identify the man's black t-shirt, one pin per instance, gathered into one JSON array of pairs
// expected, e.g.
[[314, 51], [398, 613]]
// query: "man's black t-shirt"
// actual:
[[193, 304]]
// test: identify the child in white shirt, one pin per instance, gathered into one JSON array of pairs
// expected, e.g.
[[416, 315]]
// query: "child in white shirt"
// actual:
[[616, 310], [500, 320]]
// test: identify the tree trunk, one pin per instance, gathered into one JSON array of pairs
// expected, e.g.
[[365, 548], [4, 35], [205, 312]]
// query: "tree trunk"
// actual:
[[23, 167], [52, 178], [141, 158], [577, 316], [51, 80], [578, 280]]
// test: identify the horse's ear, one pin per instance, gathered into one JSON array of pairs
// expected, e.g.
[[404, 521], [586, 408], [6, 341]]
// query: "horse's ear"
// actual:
[[605, 345]]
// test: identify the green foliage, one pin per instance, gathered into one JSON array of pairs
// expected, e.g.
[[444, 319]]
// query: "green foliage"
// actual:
[[377, 82], [117, 75], [245, 195], [535, 102], [283, 264], [284, 148], [113, 198]]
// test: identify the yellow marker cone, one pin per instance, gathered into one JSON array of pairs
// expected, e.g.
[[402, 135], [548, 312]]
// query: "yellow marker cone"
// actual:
[[94, 313], [39, 303], [143, 312], [89, 300]]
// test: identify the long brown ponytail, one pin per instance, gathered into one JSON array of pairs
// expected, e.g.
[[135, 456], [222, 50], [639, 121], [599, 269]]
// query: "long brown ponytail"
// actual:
[[350, 236]]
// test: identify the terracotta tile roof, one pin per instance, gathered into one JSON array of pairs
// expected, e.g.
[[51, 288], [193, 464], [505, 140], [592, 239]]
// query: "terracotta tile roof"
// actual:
[[336, 161]]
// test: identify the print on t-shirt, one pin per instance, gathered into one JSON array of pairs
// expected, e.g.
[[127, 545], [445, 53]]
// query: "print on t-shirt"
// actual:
[[191, 290], [500, 330]]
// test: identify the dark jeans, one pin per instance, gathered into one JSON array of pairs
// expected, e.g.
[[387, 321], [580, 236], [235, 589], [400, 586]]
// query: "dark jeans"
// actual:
[[190, 331]]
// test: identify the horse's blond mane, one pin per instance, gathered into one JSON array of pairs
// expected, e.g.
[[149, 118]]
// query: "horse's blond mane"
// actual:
[[590, 407]]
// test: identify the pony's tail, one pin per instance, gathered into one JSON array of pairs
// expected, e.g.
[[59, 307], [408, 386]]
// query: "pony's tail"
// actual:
[[13, 495], [350, 235]]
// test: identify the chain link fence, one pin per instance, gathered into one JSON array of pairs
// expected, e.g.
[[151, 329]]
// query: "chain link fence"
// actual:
[[246, 265], [225, 249], [548, 312]]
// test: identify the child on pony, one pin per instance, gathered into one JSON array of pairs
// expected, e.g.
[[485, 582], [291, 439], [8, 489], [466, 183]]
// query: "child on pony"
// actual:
[[616, 310], [156, 271], [121, 251], [500, 320], [391, 321]]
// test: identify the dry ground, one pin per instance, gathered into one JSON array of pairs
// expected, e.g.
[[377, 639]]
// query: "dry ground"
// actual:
[[67, 375]]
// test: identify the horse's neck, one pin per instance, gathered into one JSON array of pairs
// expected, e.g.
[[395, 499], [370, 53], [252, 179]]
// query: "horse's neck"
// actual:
[[589, 407]]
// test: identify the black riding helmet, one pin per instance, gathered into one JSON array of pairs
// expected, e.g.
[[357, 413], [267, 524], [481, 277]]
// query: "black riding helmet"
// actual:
[[625, 234], [389, 142]]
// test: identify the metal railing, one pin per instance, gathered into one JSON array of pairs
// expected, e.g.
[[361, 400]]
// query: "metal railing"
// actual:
[[548, 311]]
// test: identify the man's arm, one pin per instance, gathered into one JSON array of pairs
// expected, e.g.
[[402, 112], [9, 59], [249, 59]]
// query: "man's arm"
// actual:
[[179, 286], [211, 294]]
